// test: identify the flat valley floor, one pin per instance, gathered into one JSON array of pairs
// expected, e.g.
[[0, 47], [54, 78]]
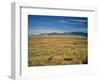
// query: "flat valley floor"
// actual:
[[57, 50]]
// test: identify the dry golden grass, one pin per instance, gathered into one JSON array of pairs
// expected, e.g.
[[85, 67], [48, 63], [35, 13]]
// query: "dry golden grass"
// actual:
[[56, 50]]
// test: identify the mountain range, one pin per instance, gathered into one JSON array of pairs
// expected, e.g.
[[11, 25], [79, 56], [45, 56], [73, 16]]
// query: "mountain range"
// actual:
[[67, 33]]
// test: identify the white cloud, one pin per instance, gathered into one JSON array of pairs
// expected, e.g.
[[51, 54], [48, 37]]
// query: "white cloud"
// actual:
[[77, 20], [61, 21], [73, 21]]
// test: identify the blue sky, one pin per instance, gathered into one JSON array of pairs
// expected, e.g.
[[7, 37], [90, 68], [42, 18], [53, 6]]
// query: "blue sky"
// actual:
[[38, 24]]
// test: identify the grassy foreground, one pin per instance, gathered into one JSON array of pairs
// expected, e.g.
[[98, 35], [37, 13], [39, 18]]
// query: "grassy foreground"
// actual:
[[57, 50]]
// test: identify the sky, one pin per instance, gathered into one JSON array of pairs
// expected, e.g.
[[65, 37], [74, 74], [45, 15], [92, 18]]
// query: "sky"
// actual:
[[39, 24]]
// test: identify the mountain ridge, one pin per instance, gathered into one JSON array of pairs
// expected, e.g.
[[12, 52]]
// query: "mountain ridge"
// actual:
[[67, 33]]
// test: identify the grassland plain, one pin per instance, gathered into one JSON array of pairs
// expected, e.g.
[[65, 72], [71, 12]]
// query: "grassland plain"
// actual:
[[57, 50]]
